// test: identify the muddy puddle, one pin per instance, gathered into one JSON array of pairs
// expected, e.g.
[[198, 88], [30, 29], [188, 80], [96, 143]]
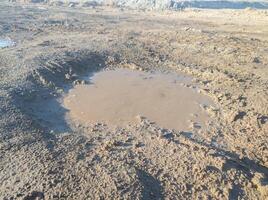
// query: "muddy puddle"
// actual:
[[120, 97], [6, 43]]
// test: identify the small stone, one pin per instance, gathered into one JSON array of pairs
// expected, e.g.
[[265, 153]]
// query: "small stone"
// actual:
[[242, 104], [256, 60], [238, 115], [71, 5], [67, 76]]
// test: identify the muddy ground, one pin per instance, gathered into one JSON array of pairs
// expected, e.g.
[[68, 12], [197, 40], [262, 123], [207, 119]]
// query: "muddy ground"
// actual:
[[44, 156]]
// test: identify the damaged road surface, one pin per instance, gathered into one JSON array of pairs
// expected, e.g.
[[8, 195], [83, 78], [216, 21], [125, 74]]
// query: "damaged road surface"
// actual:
[[107, 103]]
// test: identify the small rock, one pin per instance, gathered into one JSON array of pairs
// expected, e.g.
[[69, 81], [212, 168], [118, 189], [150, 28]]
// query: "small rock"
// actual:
[[256, 60], [79, 82], [71, 5], [67, 76], [242, 103]]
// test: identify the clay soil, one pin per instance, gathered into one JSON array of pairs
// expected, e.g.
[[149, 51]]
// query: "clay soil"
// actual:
[[45, 156]]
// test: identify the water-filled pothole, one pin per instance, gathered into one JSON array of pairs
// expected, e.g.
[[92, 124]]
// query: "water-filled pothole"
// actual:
[[117, 97]]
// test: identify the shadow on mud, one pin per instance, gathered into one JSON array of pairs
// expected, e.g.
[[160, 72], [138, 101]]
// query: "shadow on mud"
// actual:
[[151, 187], [245, 165], [39, 100]]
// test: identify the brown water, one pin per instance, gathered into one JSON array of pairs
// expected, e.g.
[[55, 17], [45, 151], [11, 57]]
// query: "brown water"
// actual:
[[117, 97]]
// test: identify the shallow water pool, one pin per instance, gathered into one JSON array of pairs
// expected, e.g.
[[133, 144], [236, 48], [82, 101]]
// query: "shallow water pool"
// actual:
[[118, 97]]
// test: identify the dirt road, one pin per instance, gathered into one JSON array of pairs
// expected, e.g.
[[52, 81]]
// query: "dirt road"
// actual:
[[44, 156]]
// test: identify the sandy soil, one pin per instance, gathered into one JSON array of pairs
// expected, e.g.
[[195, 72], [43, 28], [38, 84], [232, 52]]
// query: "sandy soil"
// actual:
[[44, 156]]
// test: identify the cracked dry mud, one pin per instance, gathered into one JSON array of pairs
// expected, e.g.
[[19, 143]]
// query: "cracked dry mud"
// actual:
[[43, 156]]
